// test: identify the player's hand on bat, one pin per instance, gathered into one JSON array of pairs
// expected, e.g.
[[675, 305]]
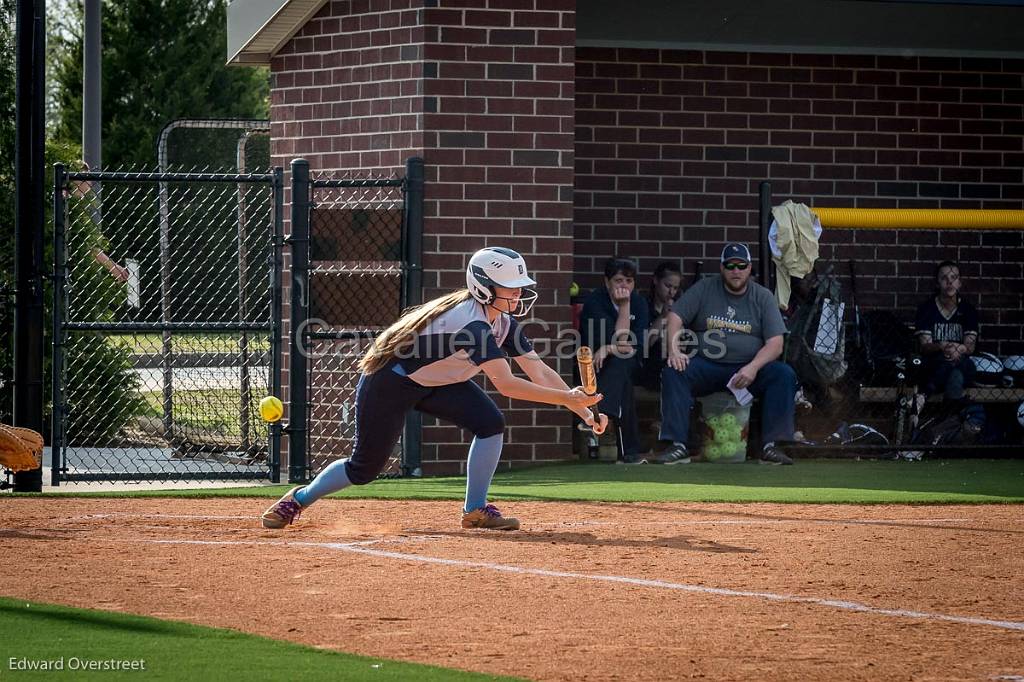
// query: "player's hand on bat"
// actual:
[[599, 425], [578, 398], [677, 360]]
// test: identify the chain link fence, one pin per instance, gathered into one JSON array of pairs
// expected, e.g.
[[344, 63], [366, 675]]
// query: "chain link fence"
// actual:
[[362, 269], [166, 319], [866, 388], [235, 145]]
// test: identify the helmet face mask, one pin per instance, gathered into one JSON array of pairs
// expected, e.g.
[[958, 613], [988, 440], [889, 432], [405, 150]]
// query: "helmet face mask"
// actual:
[[496, 266], [527, 297]]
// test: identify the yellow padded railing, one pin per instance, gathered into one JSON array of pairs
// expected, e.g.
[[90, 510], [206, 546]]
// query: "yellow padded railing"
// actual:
[[920, 218]]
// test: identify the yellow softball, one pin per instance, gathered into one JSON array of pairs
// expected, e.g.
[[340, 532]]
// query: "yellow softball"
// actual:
[[271, 409]]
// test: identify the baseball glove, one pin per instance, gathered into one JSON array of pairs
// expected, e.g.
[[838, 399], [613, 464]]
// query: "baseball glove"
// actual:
[[20, 449]]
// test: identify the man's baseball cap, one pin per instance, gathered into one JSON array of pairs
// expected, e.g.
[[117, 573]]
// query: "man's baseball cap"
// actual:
[[736, 251]]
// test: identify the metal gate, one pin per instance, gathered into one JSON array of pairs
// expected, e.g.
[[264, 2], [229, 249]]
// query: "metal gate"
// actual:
[[356, 244], [166, 325]]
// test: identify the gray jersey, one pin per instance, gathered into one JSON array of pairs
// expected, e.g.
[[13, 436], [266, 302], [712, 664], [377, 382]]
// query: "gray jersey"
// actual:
[[452, 347], [730, 329]]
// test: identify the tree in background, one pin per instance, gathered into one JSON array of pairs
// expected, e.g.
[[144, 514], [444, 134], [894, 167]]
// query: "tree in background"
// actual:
[[6, 116], [162, 60], [6, 125], [7, 46]]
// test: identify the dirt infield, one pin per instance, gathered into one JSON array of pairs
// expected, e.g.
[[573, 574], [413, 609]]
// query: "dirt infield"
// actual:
[[584, 592]]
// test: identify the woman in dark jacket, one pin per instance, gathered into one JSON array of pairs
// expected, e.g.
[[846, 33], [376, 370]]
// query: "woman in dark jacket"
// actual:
[[613, 324], [665, 289]]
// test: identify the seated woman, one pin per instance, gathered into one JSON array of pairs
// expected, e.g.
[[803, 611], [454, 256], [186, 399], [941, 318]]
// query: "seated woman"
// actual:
[[612, 325], [665, 289], [947, 333]]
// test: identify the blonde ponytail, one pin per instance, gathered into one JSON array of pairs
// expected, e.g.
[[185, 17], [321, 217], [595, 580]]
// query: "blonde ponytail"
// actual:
[[404, 330]]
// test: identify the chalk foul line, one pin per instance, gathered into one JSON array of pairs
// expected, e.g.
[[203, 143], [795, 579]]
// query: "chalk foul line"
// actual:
[[363, 548]]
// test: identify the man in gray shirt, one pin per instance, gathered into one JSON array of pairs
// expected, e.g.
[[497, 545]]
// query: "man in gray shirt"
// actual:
[[729, 332]]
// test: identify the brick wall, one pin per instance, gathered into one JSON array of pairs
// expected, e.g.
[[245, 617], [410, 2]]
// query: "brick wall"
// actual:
[[665, 153], [483, 91], [498, 95], [671, 146], [345, 91]]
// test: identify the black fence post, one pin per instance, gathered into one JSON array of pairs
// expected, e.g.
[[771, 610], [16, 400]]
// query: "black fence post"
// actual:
[[57, 363], [412, 293], [30, 184], [767, 274], [276, 313], [298, 396]]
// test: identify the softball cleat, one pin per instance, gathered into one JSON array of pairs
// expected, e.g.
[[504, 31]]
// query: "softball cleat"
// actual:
[[489, 517], [284, 511]]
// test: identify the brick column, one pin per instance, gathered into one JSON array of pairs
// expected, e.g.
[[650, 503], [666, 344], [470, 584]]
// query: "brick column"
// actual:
[[485, 95], [498, 142]]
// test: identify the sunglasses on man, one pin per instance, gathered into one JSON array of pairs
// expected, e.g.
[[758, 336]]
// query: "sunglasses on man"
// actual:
[[736, 266]]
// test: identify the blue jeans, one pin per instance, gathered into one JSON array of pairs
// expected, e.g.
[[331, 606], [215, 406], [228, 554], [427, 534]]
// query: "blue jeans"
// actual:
[[947, 377], [775, 386]]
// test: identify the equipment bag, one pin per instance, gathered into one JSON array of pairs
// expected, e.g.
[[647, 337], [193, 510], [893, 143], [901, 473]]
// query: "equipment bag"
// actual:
[[887, 349], [961, 428], [816, 345]]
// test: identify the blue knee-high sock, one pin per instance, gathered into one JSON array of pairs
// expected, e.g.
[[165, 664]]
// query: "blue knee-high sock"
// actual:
[[483, 460], [332, 479]]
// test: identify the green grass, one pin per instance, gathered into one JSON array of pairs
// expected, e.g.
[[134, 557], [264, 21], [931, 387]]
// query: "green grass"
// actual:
[[187, 343], [955, 481], [215, 410], [179, 651]]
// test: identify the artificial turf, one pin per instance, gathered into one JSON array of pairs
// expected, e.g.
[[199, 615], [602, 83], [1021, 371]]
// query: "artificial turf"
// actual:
[[954, 481], [37, 634]]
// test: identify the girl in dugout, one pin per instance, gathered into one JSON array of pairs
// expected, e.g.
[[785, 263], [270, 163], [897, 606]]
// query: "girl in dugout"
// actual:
[[424, 362]]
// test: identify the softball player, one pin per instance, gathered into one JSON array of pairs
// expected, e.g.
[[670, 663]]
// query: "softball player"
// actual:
[[425, 361]]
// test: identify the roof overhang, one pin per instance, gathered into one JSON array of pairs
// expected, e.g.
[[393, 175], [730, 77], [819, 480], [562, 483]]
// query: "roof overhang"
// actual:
[[257, 29], [940, 28]]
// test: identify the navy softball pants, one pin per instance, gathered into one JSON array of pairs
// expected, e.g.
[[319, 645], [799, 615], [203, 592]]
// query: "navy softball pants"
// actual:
[[382, 401]]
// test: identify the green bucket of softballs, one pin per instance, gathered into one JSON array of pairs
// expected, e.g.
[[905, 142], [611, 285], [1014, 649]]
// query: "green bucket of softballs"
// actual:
[[726, 425]]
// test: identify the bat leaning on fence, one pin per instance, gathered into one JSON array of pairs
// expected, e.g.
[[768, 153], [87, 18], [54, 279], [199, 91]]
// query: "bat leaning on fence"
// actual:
[[588, 377]]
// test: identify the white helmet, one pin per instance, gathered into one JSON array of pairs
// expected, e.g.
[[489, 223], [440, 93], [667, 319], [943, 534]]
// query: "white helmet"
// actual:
[[496, 266]]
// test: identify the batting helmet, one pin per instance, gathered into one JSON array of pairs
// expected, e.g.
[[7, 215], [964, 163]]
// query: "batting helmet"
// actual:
[[496, 266]]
